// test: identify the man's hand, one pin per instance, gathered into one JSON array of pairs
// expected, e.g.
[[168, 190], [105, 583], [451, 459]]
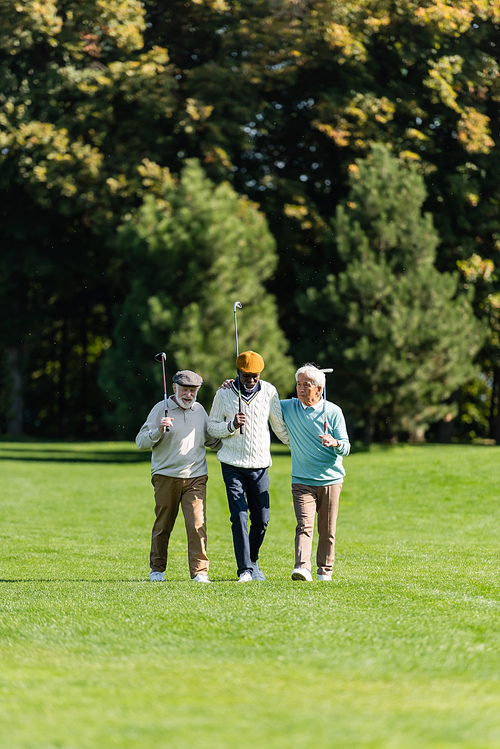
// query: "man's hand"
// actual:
[[166, 421], [328, 441], [239, 419], [226, 385]]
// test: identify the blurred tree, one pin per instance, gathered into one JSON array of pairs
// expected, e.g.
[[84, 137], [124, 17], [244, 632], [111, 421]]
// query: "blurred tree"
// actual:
[[79, 103], [399, 338], [190, 256], [480, 274], [55, 298], [298, 90], [279, 97], [474, 408]]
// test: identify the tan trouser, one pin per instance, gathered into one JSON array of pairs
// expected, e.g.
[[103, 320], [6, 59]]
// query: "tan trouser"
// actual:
[[307, 500], [191, 495]]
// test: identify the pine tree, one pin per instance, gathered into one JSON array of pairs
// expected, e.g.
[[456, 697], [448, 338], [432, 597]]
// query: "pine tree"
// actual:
[[400, 338], [190, 257]]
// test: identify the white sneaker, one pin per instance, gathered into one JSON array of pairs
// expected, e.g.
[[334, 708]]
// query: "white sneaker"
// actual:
[[324, 577], [156, 577], [301, 573], [201, 578], [245, 577], [257, 573]]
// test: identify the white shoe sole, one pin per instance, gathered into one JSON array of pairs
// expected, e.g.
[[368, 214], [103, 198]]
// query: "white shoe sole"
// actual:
[[299, 576]]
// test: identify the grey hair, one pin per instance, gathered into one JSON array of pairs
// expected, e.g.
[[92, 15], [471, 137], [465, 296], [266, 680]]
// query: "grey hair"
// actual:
[[316, 376]]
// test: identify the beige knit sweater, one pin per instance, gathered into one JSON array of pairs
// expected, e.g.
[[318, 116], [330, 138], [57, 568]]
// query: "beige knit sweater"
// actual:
[[180, 452], [252, 448]]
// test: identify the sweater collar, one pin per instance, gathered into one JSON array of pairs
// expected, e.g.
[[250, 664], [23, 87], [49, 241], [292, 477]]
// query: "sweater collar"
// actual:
[[317, 406], [247, 395]]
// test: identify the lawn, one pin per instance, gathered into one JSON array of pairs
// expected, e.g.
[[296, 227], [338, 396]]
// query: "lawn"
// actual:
[[402, 649]]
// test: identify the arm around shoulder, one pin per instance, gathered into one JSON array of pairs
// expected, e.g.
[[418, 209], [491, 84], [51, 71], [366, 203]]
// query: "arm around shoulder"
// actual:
[[219, 421], [276, 419]]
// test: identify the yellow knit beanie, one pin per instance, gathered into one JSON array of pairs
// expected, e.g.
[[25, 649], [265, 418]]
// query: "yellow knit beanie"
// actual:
[[249, 361]]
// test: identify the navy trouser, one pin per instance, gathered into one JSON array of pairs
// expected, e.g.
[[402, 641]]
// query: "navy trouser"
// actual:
[[247, 493]]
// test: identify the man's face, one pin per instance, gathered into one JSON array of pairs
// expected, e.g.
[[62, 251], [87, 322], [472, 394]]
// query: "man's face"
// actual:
[[307, 393], [185, 394], [249, 379]]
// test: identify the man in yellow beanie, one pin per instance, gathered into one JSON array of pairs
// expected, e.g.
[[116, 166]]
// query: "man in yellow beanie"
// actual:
[[245, 458]]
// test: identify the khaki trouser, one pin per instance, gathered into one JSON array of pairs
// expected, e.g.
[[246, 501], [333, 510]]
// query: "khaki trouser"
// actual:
[[190, 494], [307, 501]]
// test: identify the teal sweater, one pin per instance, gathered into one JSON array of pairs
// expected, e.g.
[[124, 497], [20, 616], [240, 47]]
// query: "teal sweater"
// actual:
[[313, 464]]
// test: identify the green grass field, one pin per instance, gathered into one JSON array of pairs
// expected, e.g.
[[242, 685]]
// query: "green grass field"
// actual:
[[402, 649]]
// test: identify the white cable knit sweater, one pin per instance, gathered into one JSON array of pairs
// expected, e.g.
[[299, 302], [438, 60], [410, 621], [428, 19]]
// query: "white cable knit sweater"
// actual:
[[252, 448]]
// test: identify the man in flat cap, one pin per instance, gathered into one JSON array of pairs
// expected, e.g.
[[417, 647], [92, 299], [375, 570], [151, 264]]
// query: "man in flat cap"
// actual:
[[179, 473], [245, 458]]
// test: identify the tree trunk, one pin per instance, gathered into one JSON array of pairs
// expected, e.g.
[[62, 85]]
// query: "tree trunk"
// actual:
[[63, 371], [446, 427], [368, 428], [83, 370], [417, 434], [495, 407], [14, 356]]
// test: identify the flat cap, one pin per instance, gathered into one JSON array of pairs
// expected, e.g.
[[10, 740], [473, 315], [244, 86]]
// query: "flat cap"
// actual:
[[187, 379], [249, 361]]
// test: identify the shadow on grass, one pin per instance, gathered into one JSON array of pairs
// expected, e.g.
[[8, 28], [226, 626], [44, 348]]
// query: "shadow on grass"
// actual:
[[73, 580], [126, 452], [140, 580], [78, 453]]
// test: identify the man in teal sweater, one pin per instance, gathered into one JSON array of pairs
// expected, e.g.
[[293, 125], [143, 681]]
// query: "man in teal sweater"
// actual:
[[317, 470]]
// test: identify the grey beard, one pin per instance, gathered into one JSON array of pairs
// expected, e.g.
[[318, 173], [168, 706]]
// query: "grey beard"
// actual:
[[182, 405], [186, 408]]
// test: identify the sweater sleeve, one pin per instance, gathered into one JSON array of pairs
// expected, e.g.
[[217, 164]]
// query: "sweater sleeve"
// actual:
[[218, 422], [212, 442], [149, 434], [340, 434], [276, 419]]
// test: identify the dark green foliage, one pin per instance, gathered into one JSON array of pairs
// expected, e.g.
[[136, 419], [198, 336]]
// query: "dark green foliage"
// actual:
[[55, 297], [399, 337], [189, 257], [100, 99]]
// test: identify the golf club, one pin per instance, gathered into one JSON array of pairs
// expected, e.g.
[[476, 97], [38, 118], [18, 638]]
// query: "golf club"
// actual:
[[324, 399], [237, 305], [161, 357]]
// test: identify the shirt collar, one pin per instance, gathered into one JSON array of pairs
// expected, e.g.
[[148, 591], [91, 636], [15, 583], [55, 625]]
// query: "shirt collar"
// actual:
[[317, 406], [173, 404]]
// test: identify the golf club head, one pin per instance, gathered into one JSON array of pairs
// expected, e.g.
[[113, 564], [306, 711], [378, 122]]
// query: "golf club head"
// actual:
[[160, 356], [237, 305], [326, 370]]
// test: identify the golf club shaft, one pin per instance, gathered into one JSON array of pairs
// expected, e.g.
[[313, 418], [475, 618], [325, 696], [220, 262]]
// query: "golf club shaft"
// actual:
[[164, 388], [165, 396], [163, 356], [324, 401], [324, 408], [236, 332], [236, 306]]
